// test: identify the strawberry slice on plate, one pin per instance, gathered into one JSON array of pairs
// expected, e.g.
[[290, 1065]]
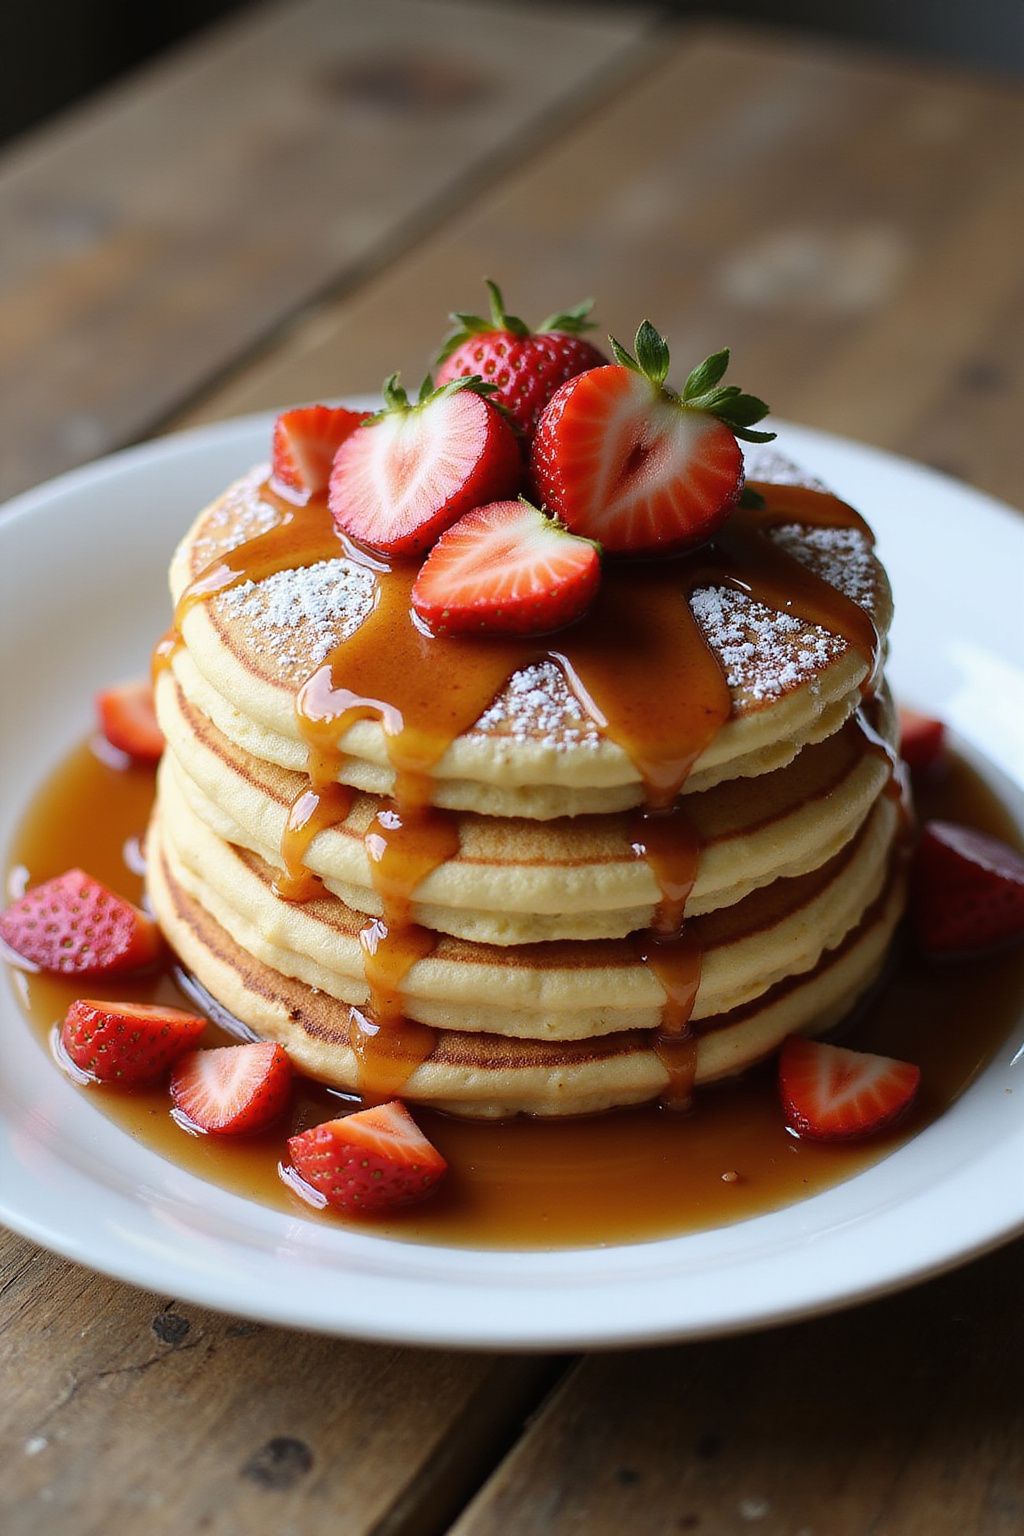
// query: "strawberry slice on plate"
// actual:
[[830, 1093], [368, 1162], [922, 741], [966, 890], [232, 1089], [127, 718], [414, 469], [127, 1042], [526, 367], [305, 442], [506, 569], [73, 925], [623, 459]]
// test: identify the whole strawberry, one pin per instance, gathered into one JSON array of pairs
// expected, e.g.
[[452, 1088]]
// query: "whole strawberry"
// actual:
[[525, 366]]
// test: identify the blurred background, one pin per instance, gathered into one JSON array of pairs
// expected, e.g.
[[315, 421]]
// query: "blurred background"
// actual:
[[210, 207], [66, 48]]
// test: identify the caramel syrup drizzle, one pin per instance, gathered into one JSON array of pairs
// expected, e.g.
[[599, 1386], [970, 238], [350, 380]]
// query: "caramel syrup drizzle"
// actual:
[[637, 662]]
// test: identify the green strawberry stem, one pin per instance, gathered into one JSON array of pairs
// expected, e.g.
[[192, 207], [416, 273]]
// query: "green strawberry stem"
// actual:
[[396, 398], [568, 322], [703, 390]]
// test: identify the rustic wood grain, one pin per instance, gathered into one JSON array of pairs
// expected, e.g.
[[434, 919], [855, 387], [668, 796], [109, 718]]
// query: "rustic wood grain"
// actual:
[[121, 1407], [905, 1418], [152, 237], [851, 227]]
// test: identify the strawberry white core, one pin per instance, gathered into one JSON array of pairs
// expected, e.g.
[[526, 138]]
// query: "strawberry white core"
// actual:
[[411, 463]]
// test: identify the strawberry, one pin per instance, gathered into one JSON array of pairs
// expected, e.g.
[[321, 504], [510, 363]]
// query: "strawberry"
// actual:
[[506, 569], [305, 442], [74, 925], [127, 719], [231, 1089], [369, 1161], [832, 1094], [127, 1042], [525, 366], [922, 741], [413, 470], [623, 459], [966, 890]]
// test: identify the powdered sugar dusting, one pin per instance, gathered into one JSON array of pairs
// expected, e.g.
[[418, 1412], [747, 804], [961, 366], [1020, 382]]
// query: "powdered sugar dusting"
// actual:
[[239, 515], [297, 617], [537, 704], [763, 653], [842, 556], [763, 461]]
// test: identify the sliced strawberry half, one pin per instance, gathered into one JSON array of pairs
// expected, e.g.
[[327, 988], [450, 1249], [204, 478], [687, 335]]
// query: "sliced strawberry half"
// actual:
[[506, 569], [232, 1089], [525, 367], [73, 925], [127, 1042], [368, 1162], [922, 741], [127, 718], [305, 442], [413, 470], [625, 460], [966, 891], [832, 1094]]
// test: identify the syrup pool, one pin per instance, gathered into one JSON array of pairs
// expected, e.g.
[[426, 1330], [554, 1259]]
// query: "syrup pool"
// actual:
[[628, 1176]]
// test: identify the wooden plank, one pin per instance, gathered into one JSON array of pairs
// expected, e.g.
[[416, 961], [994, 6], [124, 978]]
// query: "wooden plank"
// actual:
[[124, 1411], [904, 1418], [850, 227], [155, 235]]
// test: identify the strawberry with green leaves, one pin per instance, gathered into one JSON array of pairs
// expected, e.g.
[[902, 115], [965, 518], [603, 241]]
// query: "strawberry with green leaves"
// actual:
[[414, 468], [526, 367], [622, 458]]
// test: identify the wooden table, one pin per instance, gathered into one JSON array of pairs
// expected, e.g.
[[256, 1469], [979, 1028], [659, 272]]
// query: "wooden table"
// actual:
[[284, 210]]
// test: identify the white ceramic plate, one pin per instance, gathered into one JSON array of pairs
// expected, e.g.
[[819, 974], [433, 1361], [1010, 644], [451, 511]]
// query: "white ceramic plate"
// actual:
[[82, 570]]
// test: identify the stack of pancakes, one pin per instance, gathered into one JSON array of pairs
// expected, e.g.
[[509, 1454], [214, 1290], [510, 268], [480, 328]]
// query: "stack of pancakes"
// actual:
[[531, 991]]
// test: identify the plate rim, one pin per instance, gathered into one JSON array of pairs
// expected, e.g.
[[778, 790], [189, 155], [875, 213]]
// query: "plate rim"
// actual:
[[611, 1330]]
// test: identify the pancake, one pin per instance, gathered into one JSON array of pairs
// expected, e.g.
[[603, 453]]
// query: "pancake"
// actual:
[[555, 990], [534, 750], [547, 875], [516, 882], [489, 1075]]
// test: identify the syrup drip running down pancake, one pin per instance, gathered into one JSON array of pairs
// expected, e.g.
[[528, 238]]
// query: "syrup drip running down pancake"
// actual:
[[638, 669]]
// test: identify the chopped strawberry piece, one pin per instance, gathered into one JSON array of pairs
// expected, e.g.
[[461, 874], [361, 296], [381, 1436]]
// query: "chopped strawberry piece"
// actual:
[[833, 1094], [922, 741], [368, 1162], [127, 1042], [506, 569], [413, 470], [305, 442], [966, 890], [624, 460], [232, 1089], [73, 925], [127, 719], [526, 367]]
